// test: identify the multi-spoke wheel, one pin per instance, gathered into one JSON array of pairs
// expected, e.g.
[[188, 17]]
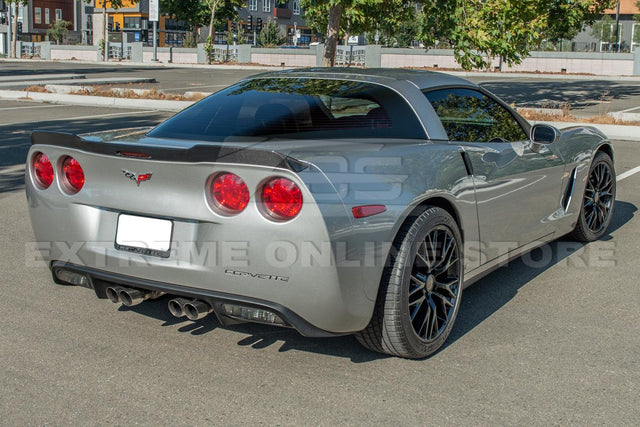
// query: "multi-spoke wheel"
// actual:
[[598, 200], [420, 290]]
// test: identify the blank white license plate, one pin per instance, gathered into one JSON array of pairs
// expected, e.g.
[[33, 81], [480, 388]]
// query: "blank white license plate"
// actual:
[[145, 233]]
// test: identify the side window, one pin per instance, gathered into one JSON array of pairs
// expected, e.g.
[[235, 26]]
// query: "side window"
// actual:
[[468, 115]]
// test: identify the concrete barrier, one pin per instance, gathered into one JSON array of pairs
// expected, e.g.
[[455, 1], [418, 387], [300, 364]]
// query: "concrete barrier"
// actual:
[[610, 64]]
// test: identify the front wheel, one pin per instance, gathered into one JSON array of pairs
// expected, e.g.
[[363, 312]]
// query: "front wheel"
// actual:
[[597, 201], [420, 290]]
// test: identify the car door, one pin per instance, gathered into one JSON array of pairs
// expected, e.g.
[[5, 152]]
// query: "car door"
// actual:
[[518, 184]]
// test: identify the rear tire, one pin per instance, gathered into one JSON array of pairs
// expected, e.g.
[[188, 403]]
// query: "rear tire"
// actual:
[[420, 290], [597, 201]]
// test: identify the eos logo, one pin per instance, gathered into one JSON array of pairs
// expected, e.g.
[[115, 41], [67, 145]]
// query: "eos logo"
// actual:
[[137, 178]]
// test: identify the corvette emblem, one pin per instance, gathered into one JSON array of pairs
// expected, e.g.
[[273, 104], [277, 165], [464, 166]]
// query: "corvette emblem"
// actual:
[[137, 178]]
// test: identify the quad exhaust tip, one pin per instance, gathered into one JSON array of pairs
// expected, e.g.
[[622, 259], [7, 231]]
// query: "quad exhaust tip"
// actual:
[[192, 309], [130, 296]]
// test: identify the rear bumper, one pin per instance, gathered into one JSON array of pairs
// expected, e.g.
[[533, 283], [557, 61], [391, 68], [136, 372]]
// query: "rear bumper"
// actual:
[[99, 281]]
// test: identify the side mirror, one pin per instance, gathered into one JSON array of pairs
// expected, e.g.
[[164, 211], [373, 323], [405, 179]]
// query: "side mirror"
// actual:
[[544, 134]]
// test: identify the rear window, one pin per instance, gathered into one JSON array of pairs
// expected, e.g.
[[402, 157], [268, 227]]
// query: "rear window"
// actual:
[[297, 109]]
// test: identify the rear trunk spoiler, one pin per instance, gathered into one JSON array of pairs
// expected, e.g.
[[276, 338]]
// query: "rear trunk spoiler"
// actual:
[[198, 153]]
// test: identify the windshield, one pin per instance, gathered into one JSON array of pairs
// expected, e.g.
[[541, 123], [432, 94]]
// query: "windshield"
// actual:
[[297, 108]]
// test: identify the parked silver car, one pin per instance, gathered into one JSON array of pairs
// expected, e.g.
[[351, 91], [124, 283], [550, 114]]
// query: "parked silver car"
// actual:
[[332, 201]]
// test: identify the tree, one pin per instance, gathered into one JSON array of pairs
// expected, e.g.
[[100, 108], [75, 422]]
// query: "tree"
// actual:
[[192, 12], [115, 5], [341, 17], [14, 24], [224, 9], [58, 30], [271, 35], [480, 30], [604, 31], [402, 35], [565, 19]]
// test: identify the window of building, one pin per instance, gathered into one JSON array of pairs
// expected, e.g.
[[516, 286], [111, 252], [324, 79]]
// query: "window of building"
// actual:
[[266, 5], [635, 37], [58, 14], [253, 5], [296, 7], [132, 22], [470, 116], [47, 17], [37, 15]]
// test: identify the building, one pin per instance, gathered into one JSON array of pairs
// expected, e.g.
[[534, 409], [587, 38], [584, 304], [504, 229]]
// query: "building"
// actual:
[[131, 22], [601, 37], [289, 16], [36, 17]]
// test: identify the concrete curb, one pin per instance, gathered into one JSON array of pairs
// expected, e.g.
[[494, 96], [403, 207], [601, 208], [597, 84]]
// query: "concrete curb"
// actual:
[[154, 64], [542, 76], [621, 132], [96, 101]]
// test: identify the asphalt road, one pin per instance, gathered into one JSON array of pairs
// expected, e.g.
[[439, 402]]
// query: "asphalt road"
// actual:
[[542, 343], [585, 98]]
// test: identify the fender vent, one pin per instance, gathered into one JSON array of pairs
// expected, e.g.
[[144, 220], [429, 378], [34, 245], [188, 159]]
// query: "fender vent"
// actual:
[[568, 193]]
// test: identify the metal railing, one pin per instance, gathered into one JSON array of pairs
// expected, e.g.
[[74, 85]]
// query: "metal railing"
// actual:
[[116, 51], [350, 56], [228, 54], [30, 50]]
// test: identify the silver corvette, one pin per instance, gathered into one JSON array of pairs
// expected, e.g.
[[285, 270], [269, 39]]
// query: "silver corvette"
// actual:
[[326, 200]]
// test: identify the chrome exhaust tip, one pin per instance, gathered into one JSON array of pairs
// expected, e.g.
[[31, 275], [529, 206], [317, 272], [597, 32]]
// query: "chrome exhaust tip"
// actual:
[[176, 306], [196, 309], [131, 297], [113, 293]]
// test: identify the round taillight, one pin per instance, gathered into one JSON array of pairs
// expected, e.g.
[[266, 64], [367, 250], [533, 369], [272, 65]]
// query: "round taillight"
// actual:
[[230, 193], [282, 198], [73, 175], [42, 170]]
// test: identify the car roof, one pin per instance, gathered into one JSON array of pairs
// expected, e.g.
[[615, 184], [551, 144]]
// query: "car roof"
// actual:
[[421, 78]]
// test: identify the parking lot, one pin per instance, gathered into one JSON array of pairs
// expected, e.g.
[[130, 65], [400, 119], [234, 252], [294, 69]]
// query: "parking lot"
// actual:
[[551, 339]]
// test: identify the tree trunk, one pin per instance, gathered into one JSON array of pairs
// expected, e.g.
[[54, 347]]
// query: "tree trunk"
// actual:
[[333, 33], [105, 34], [211, 38], [14, 30]]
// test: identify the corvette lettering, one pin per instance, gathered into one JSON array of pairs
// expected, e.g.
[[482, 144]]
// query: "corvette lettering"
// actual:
[[137, 178], [256, 275]]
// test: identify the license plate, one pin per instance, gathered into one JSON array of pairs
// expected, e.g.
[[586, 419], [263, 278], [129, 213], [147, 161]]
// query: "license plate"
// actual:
[[147, 236]]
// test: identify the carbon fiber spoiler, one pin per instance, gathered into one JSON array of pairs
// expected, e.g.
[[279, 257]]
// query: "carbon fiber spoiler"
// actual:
[[198, 153]]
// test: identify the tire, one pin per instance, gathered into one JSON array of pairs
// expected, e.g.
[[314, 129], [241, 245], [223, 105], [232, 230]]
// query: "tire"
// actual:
[[597, 201], [420, 289]]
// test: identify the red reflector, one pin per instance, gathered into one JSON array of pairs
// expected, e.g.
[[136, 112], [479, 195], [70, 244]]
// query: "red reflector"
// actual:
[[42, 170], [282, 198], [368, 210], [230, 193], [73, 173]]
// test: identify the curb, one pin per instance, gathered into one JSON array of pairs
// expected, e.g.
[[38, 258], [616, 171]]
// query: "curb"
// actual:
[[96, 101], [542, 76], [154, 64]]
